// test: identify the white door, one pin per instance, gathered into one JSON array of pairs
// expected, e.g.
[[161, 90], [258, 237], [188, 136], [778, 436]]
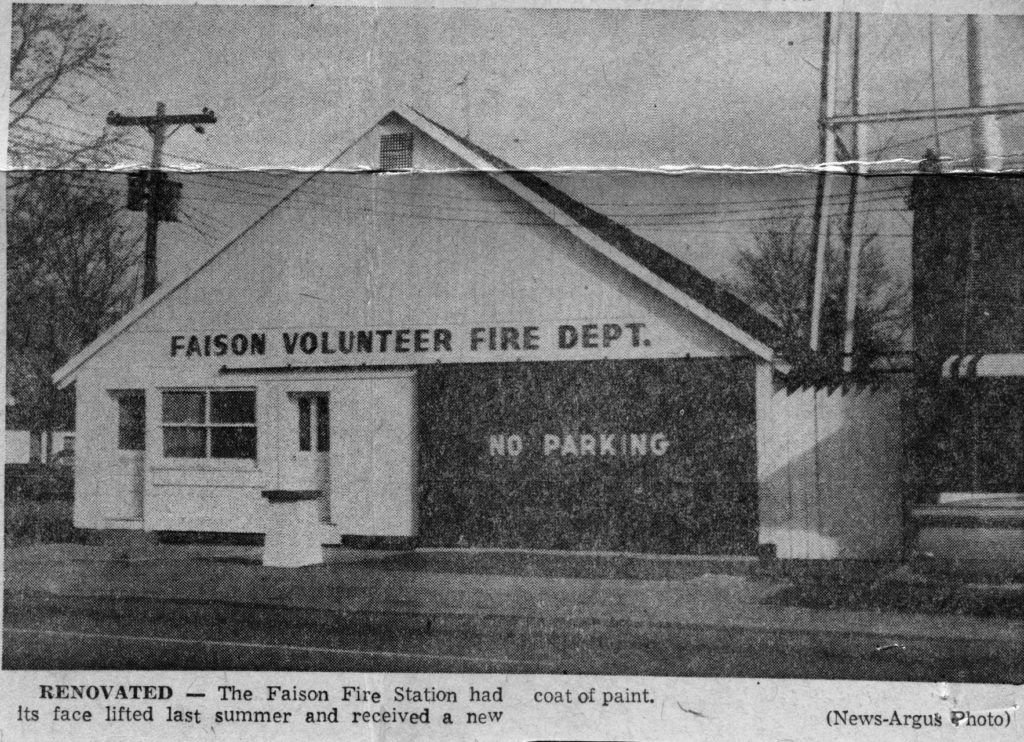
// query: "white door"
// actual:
[[373, 456], [307, 446], [121, 481]]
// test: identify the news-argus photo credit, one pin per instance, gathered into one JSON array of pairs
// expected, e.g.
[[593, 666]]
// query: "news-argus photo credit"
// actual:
[[512, 341]]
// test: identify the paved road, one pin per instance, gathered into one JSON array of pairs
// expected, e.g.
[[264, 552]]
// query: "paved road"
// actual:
[[45, 631]]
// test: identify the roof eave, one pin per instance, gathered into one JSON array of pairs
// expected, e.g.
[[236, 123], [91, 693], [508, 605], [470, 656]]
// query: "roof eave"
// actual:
[[730, 330]]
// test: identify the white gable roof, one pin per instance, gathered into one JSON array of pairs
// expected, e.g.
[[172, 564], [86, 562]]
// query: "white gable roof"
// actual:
[[648, 263]]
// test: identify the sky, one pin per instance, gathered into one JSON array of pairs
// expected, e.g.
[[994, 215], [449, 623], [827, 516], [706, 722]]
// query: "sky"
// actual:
[[543, 88], [581, 89]]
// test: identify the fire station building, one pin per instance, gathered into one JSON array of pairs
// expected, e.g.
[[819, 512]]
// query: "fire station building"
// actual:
[[532, 375]]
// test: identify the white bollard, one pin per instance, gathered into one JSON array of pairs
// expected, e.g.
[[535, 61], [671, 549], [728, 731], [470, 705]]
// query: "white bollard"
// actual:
[[293, 529]]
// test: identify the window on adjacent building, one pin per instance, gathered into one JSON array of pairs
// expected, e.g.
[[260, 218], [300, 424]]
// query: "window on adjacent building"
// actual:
[[131, 421], [35, 447], [396, 151], [207, 423]]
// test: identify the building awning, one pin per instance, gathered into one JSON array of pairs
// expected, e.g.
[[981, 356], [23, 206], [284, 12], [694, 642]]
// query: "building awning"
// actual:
[[983, 365]]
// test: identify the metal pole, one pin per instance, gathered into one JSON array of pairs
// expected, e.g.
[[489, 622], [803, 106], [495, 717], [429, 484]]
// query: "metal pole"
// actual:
[[986, 144], [924, 114], [826, 142], [854, 220]]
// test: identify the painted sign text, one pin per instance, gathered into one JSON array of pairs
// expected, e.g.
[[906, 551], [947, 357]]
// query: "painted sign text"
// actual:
[[582, 444], [440, 341]]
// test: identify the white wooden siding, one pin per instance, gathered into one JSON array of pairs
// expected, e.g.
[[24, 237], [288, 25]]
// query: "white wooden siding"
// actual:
[[830, 469], [373, 457]]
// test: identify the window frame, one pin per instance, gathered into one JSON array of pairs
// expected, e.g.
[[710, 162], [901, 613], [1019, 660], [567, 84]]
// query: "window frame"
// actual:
[[208, 426]]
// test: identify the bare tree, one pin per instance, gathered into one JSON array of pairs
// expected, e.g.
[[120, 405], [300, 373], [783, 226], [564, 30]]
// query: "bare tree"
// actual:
[[79, 256], [773, 275], [72, 265], [72, 273], [57, 52]]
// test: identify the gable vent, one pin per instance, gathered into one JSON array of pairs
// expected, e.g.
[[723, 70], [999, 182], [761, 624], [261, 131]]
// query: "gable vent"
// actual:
[[396, 151]]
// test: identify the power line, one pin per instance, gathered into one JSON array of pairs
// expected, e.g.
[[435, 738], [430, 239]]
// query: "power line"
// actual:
[[726, 207], [442, 214], [259, 220], [700, 228], [715, 215], [950, 130], [188, 221], [224, 173], [921, 89], [195, 216], [216, 222]]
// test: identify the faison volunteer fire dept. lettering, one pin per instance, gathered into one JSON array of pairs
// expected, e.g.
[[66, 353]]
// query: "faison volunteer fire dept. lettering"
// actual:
[[568, 339], [407, 340], [237, 344]]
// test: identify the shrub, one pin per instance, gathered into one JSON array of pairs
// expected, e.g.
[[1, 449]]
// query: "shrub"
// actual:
[[40, 521], [39, 482]]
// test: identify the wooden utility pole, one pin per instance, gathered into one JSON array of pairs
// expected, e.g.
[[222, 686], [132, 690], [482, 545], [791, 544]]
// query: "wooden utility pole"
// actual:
[[826, 151], [854, 220], [157, 127]]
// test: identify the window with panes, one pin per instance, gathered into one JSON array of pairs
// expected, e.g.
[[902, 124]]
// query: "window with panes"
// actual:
[[209, 423]]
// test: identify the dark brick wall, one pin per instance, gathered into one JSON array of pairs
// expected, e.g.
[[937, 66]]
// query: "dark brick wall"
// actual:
[[700, 496]]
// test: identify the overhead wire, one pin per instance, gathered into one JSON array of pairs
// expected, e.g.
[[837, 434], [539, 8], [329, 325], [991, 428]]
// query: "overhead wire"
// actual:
[[447, 215], [247, 188], [920, 91], [658, 222], [224, 170], [199, 220], [188, 220], [714, 214], [705, 229], [225, 173], [715, 209]]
